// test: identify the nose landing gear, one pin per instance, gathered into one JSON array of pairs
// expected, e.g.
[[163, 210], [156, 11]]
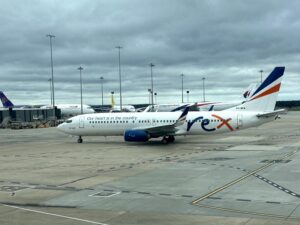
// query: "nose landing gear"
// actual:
[[79, 140]]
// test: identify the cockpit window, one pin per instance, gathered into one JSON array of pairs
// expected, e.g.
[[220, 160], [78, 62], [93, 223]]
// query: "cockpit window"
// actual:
[[69, 121]]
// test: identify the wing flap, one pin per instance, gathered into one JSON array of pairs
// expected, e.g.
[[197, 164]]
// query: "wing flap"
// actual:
[[169, 129]]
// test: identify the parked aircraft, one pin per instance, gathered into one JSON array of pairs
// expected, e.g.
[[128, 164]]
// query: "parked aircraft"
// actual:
[[68, 110], [125, 108], [117, 108], [140, 127], [8, 104], [201, 106]]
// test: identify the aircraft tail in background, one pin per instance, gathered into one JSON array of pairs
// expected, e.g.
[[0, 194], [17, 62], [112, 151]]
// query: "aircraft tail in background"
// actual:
[[5, 101], [264, 97], [112, 101], [250, 90]]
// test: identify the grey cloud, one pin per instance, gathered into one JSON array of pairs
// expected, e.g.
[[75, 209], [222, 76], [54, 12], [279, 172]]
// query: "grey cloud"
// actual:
[[225, 41]]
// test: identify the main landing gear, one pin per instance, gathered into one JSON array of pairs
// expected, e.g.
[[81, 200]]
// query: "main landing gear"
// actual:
[[79, 140], [168, 139]]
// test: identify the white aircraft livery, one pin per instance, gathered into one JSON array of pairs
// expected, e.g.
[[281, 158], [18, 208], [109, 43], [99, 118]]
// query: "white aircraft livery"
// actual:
[[202, 106], [140, 127], [68, 110]]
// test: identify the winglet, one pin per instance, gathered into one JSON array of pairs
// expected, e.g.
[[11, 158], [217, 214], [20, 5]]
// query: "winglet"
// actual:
[[179, 108], [183, 115]]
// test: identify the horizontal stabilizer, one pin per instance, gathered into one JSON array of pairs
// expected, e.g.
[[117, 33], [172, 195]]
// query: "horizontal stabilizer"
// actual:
[[271, 114]]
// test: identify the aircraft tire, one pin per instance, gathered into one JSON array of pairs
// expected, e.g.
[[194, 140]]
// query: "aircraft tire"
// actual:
[[171, 139], [79, 140], [164, 140]]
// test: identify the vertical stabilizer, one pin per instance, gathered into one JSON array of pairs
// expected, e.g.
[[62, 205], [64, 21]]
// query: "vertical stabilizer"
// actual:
[[264, 97], [249, 91], [5, 101], [112, 101]]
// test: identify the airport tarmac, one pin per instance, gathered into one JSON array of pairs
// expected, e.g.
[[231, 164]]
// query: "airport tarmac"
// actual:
[[245, 178]]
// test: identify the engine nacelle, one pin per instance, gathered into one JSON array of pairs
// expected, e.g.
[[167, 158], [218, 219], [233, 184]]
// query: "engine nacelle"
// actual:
[[136, 135]]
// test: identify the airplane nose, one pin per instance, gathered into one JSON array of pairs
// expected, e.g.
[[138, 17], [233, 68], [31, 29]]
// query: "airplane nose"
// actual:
[[61, 127]]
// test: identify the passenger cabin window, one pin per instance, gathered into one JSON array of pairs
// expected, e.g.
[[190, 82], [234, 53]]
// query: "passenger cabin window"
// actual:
[[69, 121]]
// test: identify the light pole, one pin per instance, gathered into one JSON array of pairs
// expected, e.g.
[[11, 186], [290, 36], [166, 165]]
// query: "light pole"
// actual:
[[149, 96], [203, 79], [151, 66], [101, 80], [52, 78], [119, 47], [155, 95], [80, 69], [187, 96], [261, 71], [182, 87], [50, 81]]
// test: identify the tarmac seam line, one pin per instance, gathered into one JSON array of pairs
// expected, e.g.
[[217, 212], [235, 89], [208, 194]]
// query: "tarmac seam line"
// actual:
[[54, 214], [240, 179]]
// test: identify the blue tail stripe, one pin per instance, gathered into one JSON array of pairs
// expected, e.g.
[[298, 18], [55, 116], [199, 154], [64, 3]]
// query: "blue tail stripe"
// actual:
[[276, 73], [179, 108], [185, 112], [5, 102]]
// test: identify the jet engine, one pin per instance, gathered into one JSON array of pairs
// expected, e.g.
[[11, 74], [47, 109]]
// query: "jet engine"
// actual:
[[136, 135]]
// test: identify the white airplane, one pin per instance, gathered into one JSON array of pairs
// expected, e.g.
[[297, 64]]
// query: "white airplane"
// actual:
[[140, 127], [125, 108], [117, 108], [202, 106], [68, 110]]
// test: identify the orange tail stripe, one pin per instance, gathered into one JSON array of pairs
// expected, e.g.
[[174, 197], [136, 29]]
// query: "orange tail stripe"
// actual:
[[268, 92]]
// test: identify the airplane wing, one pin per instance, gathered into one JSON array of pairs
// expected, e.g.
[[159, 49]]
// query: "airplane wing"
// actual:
[[170, 129], [274, 113]]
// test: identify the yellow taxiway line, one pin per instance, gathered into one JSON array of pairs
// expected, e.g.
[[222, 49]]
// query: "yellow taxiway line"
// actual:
[[240, 179]]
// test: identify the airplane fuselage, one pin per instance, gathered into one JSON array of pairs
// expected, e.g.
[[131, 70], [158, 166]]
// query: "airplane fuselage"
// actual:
[[115, 124]]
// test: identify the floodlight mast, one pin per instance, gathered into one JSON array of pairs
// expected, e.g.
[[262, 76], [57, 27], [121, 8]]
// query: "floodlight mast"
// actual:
[[52, 77], [203, 84], [182, 75], [152, 103], [80, 69], [120, 78], [101, 80]]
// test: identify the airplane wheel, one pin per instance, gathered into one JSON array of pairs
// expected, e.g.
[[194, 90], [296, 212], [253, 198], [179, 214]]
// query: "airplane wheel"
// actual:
[[79, 140], [164, 140], [171, 139], [168, 139]]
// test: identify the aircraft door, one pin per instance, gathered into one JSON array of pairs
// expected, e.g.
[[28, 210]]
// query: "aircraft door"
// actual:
[[239, 121], [81, 122]]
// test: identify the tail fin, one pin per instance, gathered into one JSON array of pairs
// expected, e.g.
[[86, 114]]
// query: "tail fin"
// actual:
[[249, 91], [5, 101], [265, 96], [112, 101]]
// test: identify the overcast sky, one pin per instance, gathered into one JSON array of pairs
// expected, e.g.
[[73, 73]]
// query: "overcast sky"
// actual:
[[225, 41]]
